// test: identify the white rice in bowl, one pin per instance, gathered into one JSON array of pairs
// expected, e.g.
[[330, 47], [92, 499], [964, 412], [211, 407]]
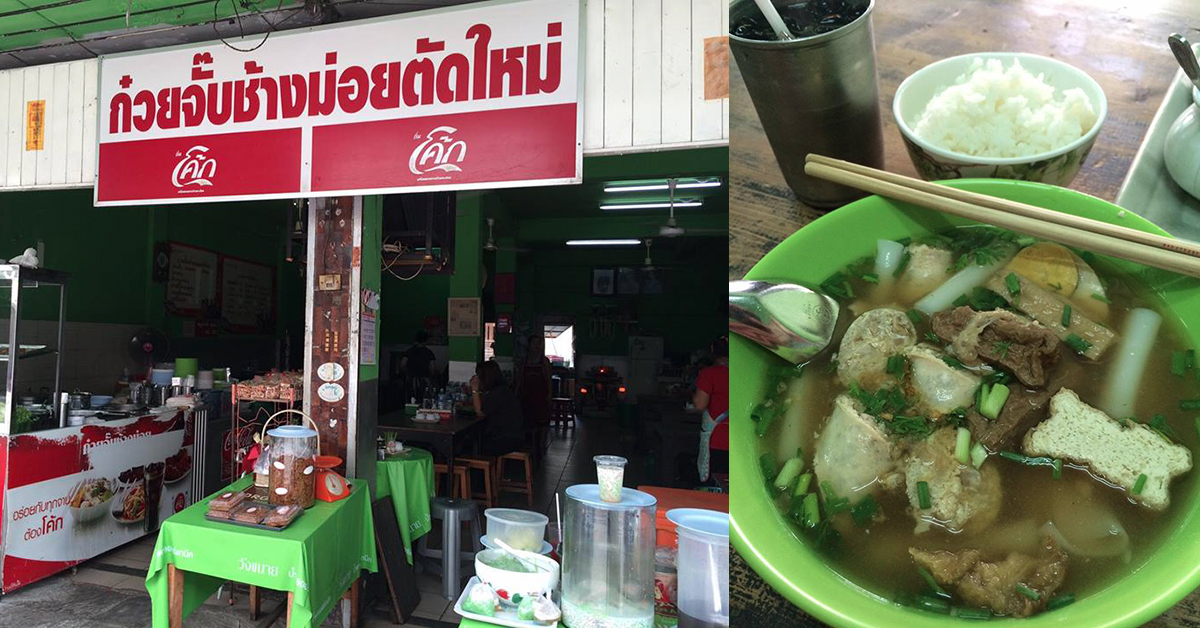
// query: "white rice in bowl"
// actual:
[[993, 111]]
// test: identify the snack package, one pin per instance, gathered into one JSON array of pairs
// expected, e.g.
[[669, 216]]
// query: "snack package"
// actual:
[[217, 513], [525, 609], [481, 600], [281, 516], [252, 513], [226, 501]]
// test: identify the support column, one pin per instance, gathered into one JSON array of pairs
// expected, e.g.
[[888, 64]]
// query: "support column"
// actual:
[[466, 282]]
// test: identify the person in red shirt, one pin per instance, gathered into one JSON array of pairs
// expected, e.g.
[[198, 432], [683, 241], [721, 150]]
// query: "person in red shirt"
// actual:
[[712, 398]]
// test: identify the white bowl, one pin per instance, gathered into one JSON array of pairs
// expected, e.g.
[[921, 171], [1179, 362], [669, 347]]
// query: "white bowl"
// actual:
[[1056, 167], [510, 584], [90, 513]]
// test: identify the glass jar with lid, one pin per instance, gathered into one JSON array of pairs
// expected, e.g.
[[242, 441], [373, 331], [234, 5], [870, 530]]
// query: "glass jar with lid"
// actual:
[[291, 450]]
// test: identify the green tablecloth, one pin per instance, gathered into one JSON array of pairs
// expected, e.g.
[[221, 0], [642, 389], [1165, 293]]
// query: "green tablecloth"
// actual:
[[408, 478], [316, 558]]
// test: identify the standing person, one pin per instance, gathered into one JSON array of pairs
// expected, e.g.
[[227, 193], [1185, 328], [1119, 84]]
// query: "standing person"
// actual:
[[417, 364], [712, 398], [533, 386], [504, 426]]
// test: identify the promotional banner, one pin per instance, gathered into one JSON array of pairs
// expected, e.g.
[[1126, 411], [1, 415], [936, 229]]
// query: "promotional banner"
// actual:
[[77, 492], [475, 96]]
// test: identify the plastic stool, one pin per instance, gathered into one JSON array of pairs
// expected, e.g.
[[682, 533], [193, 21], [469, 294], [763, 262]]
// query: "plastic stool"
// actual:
[[452, 513]]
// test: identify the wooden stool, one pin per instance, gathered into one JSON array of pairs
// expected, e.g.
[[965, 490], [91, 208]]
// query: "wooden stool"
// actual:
[[516, 486], [485, 465], [462, 480], [561, 412]]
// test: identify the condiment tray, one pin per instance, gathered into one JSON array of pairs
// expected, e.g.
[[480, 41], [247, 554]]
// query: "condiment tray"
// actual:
[[503, 617]]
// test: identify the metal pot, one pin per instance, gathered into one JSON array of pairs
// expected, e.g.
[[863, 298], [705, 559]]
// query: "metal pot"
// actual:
[[80, 400]]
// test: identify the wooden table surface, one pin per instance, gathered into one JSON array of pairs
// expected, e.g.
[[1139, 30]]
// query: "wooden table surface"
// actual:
[[1120, 44]]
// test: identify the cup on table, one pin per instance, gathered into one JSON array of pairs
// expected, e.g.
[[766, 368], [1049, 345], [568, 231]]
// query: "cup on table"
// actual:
[[817, 93], [610, 475]]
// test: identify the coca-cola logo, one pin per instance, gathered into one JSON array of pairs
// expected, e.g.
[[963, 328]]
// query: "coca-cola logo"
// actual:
[[195, 167], [437, 152]]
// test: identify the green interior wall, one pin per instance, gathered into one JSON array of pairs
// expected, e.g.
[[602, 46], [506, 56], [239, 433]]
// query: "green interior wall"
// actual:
[[108, 251], [372, 217], [405, 304], [467, 280], [688, 315]]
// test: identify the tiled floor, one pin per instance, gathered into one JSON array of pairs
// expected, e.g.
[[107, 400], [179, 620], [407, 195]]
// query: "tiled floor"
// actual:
[[109, 590]]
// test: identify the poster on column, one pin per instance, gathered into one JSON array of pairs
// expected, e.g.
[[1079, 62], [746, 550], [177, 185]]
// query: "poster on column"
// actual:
[[477, 96]]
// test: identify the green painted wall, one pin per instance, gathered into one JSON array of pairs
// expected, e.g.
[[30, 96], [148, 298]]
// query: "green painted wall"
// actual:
[[688, 315], [372, 216], [104, 250], [467, 280], [107, 251], [406, 304]]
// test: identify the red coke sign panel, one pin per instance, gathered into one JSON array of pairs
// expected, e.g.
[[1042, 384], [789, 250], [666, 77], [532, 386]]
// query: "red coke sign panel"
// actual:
[[476, 96]]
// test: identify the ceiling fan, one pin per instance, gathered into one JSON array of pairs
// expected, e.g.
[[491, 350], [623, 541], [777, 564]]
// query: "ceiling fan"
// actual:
[[672, 229], [490, 245]]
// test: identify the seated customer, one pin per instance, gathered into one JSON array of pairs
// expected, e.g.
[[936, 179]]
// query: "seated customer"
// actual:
[[504, 427]]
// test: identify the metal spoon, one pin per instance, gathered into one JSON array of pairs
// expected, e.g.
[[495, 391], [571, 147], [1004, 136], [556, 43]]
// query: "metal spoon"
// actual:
[[792, 321], [1186, 57]]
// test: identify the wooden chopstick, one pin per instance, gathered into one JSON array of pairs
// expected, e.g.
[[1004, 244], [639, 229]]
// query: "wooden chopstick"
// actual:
[[1084, 233]]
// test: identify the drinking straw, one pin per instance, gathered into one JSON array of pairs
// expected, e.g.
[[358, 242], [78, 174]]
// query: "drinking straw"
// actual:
[[776, 22]]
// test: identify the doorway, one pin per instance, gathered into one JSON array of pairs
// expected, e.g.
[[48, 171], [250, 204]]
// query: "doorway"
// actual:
[[560, 344]]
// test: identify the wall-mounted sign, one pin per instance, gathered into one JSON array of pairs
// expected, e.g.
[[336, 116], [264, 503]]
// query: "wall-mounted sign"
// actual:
[[191, 280], [473, 96], [35, 125], [463, 317], [247, 295]]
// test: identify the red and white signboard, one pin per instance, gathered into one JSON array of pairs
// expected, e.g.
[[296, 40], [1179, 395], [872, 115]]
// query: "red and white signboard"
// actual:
[[475, 96]]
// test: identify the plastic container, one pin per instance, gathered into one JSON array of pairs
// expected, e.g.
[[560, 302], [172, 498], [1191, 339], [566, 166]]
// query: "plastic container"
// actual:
[[161, 377], [608, 559], [521, 529], [610, 475], [204, 380], [290, 453], [186, 366], [703, 567]]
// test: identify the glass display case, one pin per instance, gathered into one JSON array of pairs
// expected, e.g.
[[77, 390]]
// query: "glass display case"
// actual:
[[31, 348]]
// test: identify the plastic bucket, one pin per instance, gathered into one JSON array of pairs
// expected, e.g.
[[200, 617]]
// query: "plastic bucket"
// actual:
[[703, 566]]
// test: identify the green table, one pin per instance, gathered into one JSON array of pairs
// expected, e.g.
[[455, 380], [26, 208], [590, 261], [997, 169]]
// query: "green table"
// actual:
[[316, 559], [408, 478]]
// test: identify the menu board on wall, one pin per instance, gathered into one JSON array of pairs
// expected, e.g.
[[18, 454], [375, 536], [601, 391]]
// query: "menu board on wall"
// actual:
[[191, 280], [463, 317], [247, 294]]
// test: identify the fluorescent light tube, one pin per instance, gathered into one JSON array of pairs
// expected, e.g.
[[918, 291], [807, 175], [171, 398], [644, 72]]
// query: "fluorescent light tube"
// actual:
[[608, 242], [619, 206]]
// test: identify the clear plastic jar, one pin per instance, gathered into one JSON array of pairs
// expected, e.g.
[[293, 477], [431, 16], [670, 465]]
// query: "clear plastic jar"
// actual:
[[290, 456]]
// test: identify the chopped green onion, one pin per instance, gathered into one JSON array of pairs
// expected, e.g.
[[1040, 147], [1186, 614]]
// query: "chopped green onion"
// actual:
[[1189, 359], [1140, 484], [993, 401], [1189, 404], [803, 484], [952, 362], [834, 506], [1100, 297], [1057, 469], [1078, 344], [811, 510], [895, 366], [848, 289], [932, 337], [1158, 423], [923, 499], [766, 462], [870, 277], [765, 419], [864, 510], [1066, 316], [1059, 601], [933, 585], [791, 470], [931, 604], [914, 316], [978, 455], [962, 447], [904, 259], [1027, 592], [970, 613], [1178, 363], [1001, 349], [1198, 425], [961, 301], [1026, 460], [827, 491], [1013, 284]]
